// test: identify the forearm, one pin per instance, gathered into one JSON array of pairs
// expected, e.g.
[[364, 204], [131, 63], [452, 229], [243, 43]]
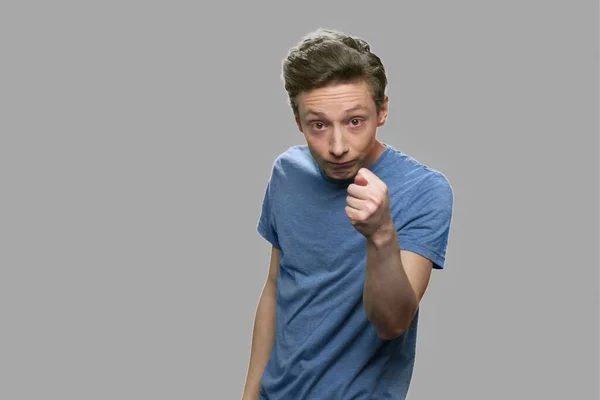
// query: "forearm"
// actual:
[[263, 337], [388, 298]]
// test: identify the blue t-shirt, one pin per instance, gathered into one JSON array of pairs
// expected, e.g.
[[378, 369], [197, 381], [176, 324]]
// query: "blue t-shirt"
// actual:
[[325, 347]]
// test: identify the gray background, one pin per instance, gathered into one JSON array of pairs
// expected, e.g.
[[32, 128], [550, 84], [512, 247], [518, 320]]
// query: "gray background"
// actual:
[[137, 139]]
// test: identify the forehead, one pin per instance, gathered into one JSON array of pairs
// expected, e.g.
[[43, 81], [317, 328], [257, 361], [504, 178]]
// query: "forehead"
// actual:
[[336, 98]]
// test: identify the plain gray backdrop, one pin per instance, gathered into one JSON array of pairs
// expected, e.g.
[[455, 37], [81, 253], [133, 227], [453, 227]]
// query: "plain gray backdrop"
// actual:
[[137, 139]]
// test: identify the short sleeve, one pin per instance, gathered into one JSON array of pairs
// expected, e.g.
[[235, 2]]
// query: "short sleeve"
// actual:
[[266, 224], [426, 221]]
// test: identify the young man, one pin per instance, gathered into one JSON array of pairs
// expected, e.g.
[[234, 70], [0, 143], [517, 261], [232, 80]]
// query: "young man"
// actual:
[[356, 228]]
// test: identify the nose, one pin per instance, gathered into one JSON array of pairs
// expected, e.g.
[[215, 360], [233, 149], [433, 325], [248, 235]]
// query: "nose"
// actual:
[[337, 145]]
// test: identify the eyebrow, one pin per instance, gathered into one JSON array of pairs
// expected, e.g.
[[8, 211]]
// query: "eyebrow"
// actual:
[[320, 114]]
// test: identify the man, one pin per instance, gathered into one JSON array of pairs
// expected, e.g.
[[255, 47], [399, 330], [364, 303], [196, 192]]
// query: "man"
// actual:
[[356, 228]]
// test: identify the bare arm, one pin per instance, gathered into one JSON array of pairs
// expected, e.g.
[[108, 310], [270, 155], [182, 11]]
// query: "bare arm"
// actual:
[[395, 283], [263, 334], [395, 280]]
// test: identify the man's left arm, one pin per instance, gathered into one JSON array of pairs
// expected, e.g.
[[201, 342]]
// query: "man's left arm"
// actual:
[[396, 279]]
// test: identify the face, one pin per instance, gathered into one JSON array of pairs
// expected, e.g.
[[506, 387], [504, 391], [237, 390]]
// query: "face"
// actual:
[[340, 123]]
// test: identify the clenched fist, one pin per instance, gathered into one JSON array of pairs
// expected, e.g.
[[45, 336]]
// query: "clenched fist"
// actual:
[[368, 204]]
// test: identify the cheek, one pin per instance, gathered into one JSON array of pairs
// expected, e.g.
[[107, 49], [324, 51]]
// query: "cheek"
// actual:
[[361, 141], [317, 147]]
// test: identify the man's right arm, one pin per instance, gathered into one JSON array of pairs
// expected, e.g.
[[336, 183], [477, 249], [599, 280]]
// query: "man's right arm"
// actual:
[[263, 335]]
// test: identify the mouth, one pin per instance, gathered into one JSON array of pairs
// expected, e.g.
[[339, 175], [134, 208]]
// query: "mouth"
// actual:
[[342, 165]]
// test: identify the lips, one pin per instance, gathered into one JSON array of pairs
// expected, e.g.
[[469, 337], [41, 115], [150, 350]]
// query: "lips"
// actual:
[[342, 165]]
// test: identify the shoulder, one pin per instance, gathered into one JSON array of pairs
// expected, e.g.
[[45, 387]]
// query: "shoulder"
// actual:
[[418, 180], [435, 183], [294, 156], [433, 191], [293, 162]]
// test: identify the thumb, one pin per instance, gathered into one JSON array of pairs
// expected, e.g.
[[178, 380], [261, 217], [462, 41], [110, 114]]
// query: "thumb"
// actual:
[[360, 180]]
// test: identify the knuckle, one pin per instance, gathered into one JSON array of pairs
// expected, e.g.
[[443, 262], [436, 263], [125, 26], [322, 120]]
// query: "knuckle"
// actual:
[[371, 207], [376, 201]]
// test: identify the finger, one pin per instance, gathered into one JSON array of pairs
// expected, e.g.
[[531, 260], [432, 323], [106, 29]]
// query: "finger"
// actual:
[[358, 216], [370, 177], [353, 215], [360, 192], [355, 203], [361, 180], [367, 174]]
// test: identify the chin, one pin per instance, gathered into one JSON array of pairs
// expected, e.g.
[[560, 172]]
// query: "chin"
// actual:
[[342, 174]]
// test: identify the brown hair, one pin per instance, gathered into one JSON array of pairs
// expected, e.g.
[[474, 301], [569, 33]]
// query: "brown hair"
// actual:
[[327, 56]]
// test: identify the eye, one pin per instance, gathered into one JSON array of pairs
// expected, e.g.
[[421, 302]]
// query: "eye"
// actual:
[[317, 125], [355, 121]]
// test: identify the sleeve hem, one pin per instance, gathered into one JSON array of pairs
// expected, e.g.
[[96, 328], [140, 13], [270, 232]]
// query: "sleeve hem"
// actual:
[[264, 232], [437, 259]]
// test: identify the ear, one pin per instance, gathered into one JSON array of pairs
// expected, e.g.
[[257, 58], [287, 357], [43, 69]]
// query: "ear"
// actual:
[[383, 112]]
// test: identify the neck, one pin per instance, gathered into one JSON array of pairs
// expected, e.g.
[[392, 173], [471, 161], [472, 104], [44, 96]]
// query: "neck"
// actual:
[[376, 152]]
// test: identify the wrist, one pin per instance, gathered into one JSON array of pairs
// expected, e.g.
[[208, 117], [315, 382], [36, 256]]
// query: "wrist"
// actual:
[[384, 235]]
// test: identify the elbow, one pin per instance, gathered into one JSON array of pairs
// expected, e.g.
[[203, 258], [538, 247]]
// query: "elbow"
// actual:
[[390, 325], [390, 333], [391, 328]]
